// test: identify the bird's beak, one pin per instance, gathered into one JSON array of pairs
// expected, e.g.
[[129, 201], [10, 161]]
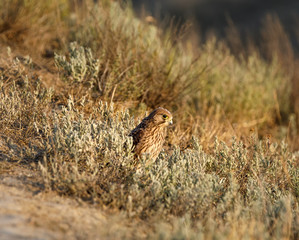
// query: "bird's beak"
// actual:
[[170, 122]]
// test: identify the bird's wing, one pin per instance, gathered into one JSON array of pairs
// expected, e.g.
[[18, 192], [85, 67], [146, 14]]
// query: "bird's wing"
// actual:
[[137, 132]]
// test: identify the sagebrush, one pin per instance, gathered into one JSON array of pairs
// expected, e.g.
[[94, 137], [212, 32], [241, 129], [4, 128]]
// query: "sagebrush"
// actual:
[[229, 169]]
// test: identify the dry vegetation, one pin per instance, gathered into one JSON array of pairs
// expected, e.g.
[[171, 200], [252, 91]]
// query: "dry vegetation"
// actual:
[[73, 82]]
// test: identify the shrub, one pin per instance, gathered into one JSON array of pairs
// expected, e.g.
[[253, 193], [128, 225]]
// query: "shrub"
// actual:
[[24, 102], [81, 67], [90, 157]]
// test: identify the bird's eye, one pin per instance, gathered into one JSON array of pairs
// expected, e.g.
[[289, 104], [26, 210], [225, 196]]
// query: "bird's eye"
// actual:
[[165, 116]]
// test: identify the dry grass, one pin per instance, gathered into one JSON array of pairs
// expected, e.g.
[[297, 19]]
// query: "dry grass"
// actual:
[[243, 184]]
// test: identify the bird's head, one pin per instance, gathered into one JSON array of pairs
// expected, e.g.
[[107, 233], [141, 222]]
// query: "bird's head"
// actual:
[[161, 116]]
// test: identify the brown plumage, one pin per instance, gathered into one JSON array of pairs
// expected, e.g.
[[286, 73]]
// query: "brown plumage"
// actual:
[[149, 135]]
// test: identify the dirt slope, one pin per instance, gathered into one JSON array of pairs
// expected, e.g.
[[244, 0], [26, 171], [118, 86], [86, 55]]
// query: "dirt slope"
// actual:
[[26, 212]]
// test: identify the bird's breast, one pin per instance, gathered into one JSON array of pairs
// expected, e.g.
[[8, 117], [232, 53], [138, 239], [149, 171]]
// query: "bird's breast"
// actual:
[[154, 141]]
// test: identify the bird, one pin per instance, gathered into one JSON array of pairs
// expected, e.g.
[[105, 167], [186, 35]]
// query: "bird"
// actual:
[[149, 136]]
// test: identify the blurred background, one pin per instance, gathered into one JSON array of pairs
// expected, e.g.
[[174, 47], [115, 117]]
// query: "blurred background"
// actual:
[[248, 18]]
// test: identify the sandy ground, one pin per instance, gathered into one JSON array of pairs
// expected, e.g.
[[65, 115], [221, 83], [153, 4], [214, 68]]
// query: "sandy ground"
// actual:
[[27, 212]]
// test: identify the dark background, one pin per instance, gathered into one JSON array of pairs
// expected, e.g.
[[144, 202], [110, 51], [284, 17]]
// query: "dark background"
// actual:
[[247, 16]]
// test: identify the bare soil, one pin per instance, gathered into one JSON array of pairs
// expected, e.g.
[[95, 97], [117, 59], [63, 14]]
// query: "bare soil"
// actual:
[[29, 212]]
